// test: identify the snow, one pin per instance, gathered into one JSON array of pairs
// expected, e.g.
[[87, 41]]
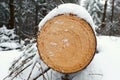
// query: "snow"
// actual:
[[8, 40], [66, 30], [51, 53], [66, 9], [110, 57], [53, 43], [58, 22], [10, 45], [6, 31], [104, 66], [66, 42], [6, 58]]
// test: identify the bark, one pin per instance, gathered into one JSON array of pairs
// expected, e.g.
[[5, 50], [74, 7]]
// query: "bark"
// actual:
[[11, 21]]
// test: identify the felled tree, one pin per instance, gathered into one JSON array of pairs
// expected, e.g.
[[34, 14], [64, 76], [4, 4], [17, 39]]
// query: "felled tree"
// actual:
[[31, 65]]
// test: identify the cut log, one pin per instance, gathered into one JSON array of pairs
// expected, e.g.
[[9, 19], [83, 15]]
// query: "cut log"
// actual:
[[66, 43]]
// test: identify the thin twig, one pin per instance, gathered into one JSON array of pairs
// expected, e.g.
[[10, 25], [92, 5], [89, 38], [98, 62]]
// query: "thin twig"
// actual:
[[41, 73], [97, 74], [31, 71], [21, 71], [15, 62], [17, 73], [25, 61]]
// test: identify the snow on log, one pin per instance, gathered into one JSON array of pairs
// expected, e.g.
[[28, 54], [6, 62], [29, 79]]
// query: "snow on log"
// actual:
[[66, 41]]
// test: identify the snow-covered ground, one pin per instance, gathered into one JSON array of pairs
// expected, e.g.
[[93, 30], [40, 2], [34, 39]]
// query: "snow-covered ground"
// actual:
[[105, 65], [6, 59], [109, 56]]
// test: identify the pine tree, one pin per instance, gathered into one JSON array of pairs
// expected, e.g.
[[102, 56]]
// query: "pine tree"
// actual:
[[4, 13], [95, 8]]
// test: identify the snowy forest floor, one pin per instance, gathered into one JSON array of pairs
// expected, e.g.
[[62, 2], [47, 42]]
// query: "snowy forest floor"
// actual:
[[105, 65]]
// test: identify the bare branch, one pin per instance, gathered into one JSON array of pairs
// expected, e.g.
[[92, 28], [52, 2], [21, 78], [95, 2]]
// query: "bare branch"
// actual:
[[31, 71], [41, 73], [21, 71], [17, 73]]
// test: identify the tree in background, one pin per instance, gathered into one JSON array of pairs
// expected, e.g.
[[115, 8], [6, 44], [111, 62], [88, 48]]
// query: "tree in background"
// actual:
[[114, 17], [24, 15], [100, 29], [111, 19], [11, 21], [4, 13], [105, 14], [95, 8]]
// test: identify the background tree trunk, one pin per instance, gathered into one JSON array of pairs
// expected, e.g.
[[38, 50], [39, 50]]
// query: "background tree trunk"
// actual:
[[36, 15], [104, 15], [112, 15], [101, 29], [11, 21]]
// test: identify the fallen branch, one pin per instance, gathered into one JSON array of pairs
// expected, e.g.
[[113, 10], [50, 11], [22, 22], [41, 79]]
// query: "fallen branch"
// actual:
[[17, 73], [23, 62], [31, 71], [21, 71], [41, 73]]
